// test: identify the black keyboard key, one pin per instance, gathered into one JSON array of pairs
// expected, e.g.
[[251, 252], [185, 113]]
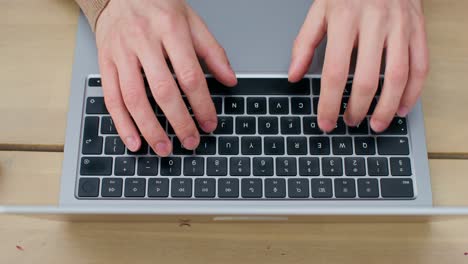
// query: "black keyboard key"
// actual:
[[345, 188], [286, 167], [205, 188], [96, 106], [301, 106], [361, 129], [251, 145], [344, 105], [393, 145], [332, 167], [135, 187], [216, 166], [321, 188], [88, 187], [194, 166], [181, 188], [342, 145], [114, 146], [92, 143], [297, 145], [319, 145], [171, 166], [397, 188], [218, 102], [234, 105], [309, 166], [96, 166], [315, 106], [340, 128], [228, 145], [245, 125], [260, 86], [275, 188], [179, 149], [143, 150], [262, 166], [355, 166], [252, 188], [310, 126], [290, 125], [108, 126], [112, 187], [207, 146], [158, 187], [278, 105], [94, 82], [225, 126], [400, 166], [124, 166], [397, 127], [239, 166], [368, 188], [377, 166], [228, 188], [316, 84], [274, 145], [147, 166], [268, 125], [256, 106], [298, 188], [364, 145]]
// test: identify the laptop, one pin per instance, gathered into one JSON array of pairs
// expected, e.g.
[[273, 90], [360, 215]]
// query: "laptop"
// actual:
[[266, 158]]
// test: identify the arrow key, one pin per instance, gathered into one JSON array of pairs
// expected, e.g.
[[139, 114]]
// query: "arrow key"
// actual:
[[111, 187]]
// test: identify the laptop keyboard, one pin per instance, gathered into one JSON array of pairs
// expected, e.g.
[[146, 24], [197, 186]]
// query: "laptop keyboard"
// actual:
[[267, 146]]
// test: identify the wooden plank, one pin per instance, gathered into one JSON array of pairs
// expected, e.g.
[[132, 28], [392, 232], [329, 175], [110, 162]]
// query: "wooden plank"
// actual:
[[37, 57]]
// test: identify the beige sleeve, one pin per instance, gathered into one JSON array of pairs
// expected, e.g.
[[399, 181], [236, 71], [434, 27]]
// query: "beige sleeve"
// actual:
[[92, 10]]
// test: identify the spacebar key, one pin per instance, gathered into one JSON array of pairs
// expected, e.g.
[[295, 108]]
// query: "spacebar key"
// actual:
[[260, 86]]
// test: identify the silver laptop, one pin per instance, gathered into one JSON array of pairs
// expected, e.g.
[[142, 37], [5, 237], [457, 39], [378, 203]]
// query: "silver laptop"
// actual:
[[267, 156]]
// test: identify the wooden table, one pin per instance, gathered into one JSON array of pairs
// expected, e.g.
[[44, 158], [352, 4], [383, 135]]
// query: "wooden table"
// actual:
[[36, 50]]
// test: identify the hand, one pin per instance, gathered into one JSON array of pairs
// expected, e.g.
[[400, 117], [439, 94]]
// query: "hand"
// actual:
[[135, 34], [373, 25]]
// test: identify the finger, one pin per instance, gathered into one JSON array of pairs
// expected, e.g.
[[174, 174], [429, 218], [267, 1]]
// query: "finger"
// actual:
[[115, 105], [341, 37], [168, 97], [179, 48], [137, 103], [396, 77], [210, 51], [418, 71], [366, 77], [309, 37]]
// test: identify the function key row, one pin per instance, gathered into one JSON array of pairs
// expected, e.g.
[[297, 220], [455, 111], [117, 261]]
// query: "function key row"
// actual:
[[244, 166], [396, 188]]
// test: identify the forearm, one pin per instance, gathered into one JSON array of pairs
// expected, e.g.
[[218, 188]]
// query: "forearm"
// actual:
[[92, 9]]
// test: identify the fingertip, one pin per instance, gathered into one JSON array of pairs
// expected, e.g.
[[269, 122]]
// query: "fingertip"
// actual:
[[403, 111], [132, 143], [191, 142], [163, 148], [378, 125], [326, 125]]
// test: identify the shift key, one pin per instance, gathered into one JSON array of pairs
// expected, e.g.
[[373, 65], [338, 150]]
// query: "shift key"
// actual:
[[96, 166]]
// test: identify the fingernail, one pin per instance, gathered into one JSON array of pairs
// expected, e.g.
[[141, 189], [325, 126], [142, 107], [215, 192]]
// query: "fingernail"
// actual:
[[403, 111], [132, 144], [377, 125], [162, 148], [209, 126], [190, 142]]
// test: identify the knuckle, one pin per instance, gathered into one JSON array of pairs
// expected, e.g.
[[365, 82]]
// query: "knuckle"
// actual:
[[131, 97], [163, 90], [365, 86], [421, 69], [137, 28], [171, 20], [398, 74], [190, 79], [334, 76]]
